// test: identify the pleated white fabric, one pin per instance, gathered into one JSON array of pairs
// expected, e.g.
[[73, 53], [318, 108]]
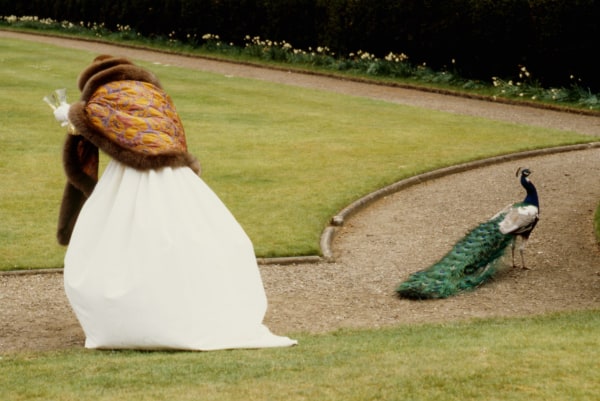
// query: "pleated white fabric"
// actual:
[[156, 261]]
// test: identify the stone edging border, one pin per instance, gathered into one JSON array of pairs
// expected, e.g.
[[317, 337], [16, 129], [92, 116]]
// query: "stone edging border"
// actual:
[[338, 220]]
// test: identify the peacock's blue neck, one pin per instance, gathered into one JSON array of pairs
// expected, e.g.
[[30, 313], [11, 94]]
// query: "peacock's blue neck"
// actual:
[[532, 196]]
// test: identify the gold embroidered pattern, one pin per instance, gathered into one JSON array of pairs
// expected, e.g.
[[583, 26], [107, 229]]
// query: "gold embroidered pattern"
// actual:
[[138, 116]]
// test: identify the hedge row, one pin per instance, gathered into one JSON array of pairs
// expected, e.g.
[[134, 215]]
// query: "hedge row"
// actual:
[[556, 40]]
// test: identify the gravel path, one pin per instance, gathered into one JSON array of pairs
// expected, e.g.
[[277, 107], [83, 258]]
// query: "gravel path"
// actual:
[[379, 246]]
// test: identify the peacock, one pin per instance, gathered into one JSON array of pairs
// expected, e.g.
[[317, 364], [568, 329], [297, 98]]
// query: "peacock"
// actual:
[[473, 260]]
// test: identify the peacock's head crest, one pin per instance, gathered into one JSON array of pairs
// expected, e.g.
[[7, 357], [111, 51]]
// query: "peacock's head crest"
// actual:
[[525, 172]]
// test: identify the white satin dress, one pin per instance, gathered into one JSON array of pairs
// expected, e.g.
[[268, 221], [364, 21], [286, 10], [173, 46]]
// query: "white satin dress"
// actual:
[[157, 261]]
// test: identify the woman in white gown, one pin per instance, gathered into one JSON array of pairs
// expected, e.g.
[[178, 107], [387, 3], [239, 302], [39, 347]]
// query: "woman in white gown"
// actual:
[[155, 260]]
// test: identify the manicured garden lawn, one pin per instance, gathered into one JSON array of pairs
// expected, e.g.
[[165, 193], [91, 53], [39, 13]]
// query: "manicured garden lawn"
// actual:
[[283, 159]]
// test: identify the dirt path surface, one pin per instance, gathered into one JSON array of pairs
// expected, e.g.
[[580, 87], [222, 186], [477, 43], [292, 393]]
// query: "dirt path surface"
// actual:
[[380, 246]]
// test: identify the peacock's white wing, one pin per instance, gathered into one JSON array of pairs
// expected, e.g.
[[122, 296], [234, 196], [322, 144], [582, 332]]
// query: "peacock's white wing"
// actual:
[[518, 218]]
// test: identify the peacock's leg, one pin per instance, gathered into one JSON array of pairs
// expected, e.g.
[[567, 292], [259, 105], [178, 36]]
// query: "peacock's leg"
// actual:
[[522, 251], [512, 249]]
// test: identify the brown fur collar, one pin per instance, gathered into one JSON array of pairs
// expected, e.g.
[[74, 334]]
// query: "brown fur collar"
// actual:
[[110, 70]]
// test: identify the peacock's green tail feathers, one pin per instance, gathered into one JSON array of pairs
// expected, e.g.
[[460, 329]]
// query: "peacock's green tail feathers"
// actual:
[[470, 263]]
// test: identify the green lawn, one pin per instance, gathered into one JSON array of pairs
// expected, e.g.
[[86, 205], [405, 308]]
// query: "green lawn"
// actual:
[[283, 159], [553, 357]]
